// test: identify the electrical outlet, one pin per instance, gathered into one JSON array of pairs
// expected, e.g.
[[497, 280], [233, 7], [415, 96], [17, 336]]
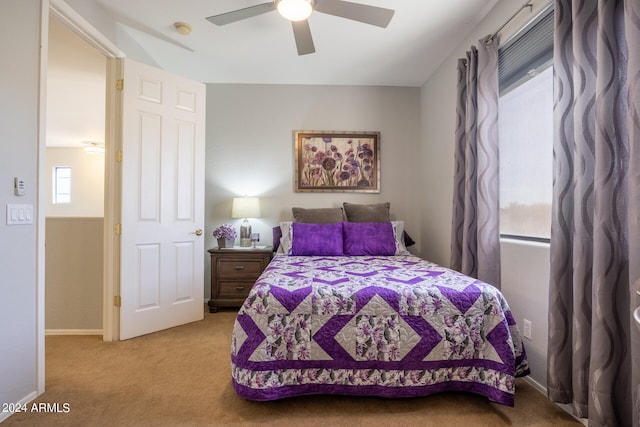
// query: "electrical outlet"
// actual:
[[526, 328]]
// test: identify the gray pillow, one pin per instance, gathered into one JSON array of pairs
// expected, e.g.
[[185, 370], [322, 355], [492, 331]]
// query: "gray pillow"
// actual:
[[318, 216], [377, 212]]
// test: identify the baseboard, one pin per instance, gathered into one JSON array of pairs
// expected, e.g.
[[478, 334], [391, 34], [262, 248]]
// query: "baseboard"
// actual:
[[535, 384], [567, 408], [73, 332], [23, 402]]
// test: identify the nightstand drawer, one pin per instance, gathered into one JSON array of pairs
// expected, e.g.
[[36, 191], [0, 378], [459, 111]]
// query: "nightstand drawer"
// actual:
[[234, 289], [240, 267], [233, 273]]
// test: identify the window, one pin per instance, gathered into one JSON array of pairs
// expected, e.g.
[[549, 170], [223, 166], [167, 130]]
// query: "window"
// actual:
[[526, 156], [526, 131], [61, 184]]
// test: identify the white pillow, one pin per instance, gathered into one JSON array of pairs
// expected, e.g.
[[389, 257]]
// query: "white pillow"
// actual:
[[286, 239], [398, 234]]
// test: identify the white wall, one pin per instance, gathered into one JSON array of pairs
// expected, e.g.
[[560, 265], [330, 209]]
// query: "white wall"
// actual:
[[250, 148], [87, 183], [525, 285], [438, 97], [76, 89], [19, 93]]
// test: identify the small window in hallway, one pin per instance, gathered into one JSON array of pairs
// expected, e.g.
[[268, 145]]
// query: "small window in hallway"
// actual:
[[61, 184]]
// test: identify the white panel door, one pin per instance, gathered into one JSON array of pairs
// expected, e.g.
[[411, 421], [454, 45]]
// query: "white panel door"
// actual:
[[162, 246]]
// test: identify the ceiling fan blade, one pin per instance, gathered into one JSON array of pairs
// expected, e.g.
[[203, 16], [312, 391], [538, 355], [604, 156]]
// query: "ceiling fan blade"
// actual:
[[302, 34], [240, 14], [373, 15]]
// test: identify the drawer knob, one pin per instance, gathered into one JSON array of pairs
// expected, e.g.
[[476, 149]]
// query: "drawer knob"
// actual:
[[239, 267], [239, 288]]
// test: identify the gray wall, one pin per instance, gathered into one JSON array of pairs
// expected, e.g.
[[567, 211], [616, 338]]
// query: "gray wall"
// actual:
[[19, 92], [525, 266], [250, 149]]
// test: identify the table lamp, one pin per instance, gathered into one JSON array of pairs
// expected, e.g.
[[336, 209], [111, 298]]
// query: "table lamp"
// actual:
[[245, 207]]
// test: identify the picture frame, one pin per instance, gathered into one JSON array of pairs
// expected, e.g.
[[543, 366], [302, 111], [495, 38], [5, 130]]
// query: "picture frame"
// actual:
[[337, 161]]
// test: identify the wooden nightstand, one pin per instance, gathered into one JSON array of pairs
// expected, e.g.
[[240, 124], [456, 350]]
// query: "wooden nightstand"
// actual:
[[233, 273]]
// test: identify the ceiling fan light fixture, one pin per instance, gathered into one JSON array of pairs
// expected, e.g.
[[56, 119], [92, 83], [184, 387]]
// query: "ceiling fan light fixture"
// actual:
[[93, 147], [295, 10]]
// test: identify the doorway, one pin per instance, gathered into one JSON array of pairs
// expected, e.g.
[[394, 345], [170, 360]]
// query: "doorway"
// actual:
[[185, 139], [75, 164]]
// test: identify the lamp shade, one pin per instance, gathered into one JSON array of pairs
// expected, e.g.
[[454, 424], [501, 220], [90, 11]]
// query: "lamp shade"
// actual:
[[245, 207]]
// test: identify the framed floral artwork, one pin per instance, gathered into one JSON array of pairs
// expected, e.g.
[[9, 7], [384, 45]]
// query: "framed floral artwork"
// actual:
[[337, 161]]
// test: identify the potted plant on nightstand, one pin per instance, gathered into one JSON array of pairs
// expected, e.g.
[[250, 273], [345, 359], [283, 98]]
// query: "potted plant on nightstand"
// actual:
[[226, 236]]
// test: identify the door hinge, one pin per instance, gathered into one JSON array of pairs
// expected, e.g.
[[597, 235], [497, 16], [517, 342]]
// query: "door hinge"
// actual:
[[117, 301], [119, 156], [117, 229], [120, 84]]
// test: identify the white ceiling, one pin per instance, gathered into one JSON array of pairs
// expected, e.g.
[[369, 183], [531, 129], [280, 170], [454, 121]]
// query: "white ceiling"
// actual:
[[76, 85], [261, 49]]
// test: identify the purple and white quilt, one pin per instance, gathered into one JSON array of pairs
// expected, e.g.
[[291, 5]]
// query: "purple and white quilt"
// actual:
[[390, 326]]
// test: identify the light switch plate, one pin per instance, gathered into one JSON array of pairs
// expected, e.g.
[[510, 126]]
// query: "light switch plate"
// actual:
[[19, 214]]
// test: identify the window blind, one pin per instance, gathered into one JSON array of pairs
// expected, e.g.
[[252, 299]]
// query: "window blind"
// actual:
[[526, 53]]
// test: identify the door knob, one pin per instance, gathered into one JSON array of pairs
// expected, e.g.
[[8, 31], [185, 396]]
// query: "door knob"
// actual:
[[198, 232]]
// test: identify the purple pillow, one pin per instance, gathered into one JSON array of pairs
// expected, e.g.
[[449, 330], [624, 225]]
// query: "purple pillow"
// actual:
[[369, 238], [316, 239]]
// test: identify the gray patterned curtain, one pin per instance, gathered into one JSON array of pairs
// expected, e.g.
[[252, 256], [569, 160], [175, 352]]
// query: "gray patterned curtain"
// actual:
[[594, 345], [475, 237]]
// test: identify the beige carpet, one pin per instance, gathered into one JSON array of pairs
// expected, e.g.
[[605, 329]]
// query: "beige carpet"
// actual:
[[181, 376]]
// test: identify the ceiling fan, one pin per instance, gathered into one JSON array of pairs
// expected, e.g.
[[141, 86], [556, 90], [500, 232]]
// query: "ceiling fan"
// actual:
[[297, 11]]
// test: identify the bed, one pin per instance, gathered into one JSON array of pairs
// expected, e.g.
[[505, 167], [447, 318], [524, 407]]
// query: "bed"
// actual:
[[345, 309]]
